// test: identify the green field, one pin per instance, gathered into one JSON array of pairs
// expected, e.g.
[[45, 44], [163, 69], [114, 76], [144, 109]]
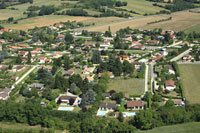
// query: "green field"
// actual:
[[6, 13], [195, 28], [192, 127], [142, 6], [131, 86], [190, 78]]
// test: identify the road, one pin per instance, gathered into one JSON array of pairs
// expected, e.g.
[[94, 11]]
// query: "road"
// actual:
[[181, 55], [146, 78], [175, 44], [22, 78], [152, 76]]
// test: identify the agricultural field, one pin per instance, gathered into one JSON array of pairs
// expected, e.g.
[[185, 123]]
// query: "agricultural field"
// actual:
[[142, 6], [195, 28], [40, 21], [131, 86], [190, 80], [20, 9], [180, 21], [192, 127]]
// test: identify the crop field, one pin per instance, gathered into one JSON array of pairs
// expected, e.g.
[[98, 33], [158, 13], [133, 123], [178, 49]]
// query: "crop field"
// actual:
[[192, 127], [195, 28], [130, 86], [40, 21], [20, 9], [142, 6], [180, 21], [190, 80]]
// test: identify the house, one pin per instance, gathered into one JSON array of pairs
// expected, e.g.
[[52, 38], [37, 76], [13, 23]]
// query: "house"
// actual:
[[106, 95], [36, 85], [156, 58], [88, 70], [4, 94], [61, 37], [59, 25], [23, 53], [178, 102], [2, 68], [123, 57], [110, 74], [3, 30], [37, 51], [127, 38], [135, 105], [152, 42], [164, 52], [23, 45], [90, 78], [135, 43], [137, 65], [170, 69], [76, 33], [169, 85], [105, 45], [188, 58], [69, 100], [14, 48], [107, 106], [18, 68], [38, 43], [68, 73], [44, 60], [89, 44], [15, 78]]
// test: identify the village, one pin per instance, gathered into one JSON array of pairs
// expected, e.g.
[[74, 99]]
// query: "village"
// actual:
[[65, 68]]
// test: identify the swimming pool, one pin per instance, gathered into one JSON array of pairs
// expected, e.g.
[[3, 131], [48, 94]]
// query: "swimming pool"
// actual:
[[66, 108], [128, 114], [101, 113]]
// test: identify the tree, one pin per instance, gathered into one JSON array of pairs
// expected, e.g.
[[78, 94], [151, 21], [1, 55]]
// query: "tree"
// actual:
[[96, 58], [120, 117], [108, 33], [117, 96], [18, 59], [128, 68], [29, 57], [67, 63], [69, 38], [88, 98]]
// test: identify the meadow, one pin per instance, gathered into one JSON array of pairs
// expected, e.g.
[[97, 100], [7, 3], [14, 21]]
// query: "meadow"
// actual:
[[192, 127], [130, 86], [195, 28], [190, 79], [142, 6]]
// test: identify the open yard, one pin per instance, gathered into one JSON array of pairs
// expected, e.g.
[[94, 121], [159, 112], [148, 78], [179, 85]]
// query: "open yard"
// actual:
[[131, 86], [192, 127], [180, 21], [190, 77]]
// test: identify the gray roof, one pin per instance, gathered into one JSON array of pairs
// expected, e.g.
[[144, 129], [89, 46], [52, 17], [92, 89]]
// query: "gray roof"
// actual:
[[36, 85], [107, 105], [5, 92]]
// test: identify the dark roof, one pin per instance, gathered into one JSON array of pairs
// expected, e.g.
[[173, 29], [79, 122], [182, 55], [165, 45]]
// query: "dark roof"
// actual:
[[131, 104], [67, 98], [107, 105]]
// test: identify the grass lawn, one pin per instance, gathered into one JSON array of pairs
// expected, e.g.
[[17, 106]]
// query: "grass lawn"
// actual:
[[195, 28], [190, 75], [192, 127], [130, 86]]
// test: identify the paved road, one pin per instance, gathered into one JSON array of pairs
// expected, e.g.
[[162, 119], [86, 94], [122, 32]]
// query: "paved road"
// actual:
[[26, 74], [152, 76], [175, 44], [181, 55], [196, 62], [146, 78]]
